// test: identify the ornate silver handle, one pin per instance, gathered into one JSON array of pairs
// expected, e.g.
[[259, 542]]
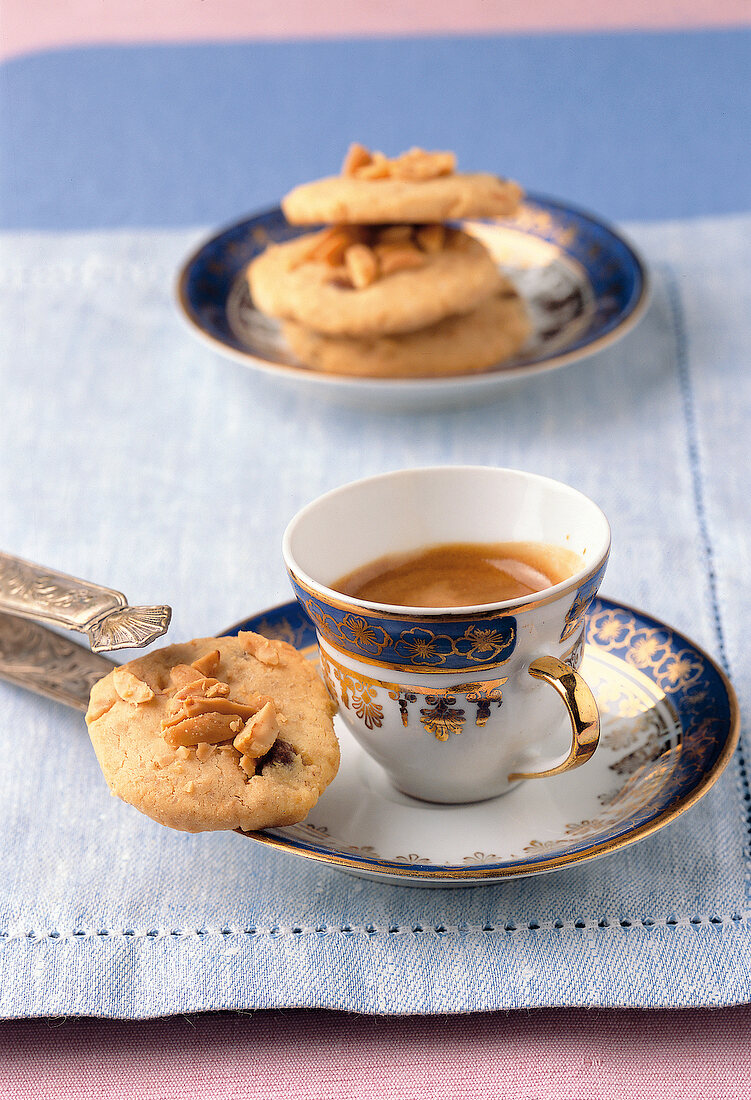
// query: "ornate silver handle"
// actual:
[[34, 592], [39, 660]]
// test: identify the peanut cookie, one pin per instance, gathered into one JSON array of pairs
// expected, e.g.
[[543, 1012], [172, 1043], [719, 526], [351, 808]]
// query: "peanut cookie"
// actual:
[[217, 733], [456, 345], [417, 186], [367, 282]]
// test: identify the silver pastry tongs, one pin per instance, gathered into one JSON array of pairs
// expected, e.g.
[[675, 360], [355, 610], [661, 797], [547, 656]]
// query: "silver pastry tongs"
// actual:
[[43, 661]]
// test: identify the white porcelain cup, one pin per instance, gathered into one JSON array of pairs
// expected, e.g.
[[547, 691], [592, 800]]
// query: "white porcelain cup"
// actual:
[[456, 704]]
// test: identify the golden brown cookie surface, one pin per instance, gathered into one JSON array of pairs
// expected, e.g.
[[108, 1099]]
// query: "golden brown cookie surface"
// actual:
[[465, 344], [347, 199], [286, 282], [217, 733]]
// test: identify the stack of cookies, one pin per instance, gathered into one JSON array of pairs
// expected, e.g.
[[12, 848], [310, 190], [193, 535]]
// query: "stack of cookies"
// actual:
[[391, 288]]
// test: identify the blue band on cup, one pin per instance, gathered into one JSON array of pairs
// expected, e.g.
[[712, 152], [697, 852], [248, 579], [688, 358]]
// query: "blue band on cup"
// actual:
[[433, 645], [585, 593]]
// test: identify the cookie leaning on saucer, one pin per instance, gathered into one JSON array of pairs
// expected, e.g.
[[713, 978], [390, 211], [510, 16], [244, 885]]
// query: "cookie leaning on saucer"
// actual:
[[416, 187], [372, 282], [217, 733], [464, 344]]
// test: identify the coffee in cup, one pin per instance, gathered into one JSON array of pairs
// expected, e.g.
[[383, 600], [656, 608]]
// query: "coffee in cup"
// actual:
[[454, 699], [461, 574]]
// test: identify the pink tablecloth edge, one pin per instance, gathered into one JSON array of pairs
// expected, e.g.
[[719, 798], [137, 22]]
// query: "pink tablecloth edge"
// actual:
[[569, 1054], [87, 22]]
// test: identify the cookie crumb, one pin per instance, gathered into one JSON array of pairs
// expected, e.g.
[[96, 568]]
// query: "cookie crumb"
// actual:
[[248, 764]]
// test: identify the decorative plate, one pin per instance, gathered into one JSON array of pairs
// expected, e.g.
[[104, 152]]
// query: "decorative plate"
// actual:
[[584, 286], [669, 727]]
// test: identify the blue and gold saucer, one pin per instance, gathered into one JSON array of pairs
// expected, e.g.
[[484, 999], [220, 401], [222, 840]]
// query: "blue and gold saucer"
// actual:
[[583, 284], [669, 727]]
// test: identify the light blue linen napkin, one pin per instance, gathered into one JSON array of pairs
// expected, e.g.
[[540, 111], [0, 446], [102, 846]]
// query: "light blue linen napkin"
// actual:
[[134, 456]]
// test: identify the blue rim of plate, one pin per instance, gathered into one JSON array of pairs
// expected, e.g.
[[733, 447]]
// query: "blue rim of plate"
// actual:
[[616, 273], [694, 685]]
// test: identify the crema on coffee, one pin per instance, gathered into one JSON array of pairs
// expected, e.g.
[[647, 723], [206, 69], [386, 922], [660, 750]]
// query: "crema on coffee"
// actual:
[[461, 574]]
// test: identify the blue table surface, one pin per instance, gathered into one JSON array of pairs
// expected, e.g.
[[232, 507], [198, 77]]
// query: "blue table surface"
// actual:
[[631, 125]]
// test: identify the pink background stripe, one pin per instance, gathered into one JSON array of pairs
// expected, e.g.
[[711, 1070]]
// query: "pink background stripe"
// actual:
[[29, 25], [545, 1055]]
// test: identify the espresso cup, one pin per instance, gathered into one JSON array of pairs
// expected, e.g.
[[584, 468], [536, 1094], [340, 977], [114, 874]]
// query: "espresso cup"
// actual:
[[456, 704]]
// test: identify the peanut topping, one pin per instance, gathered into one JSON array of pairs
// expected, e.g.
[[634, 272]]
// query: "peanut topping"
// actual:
[[183, 675], [362, 265], [200, 713], [260, 732], [260, 648], [208, 729], [398, 257], [431, 238], [193, 705], [415, 164], [357, 157], [377, 169], [359, 255], [395, 234], [130, 688], [205, 687], [330, 244], [208, 664]]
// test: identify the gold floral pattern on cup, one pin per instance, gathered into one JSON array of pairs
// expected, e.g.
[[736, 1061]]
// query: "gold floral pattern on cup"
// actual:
[[438, 709]]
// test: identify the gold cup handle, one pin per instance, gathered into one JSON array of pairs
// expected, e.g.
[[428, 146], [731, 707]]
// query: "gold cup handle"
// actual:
[[582, 709]]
